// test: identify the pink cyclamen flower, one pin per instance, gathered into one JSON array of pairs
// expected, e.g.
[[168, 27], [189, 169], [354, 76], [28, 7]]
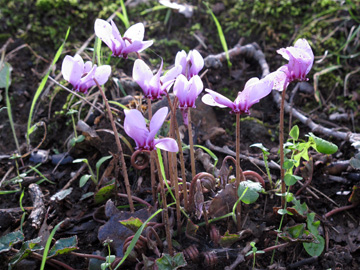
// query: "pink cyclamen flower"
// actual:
[[154, 86], [187, 91], [301, 58], [254, 90], [81, 75], [132, 41], [135, 127], [191, 63]]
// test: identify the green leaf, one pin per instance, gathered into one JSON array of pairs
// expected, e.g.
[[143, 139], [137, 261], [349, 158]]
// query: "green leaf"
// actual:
[[63, 246], [26, 249], [84, 179], [105, 192], [166, 262], [296, 231], [228, 239], [251, 194], [132, 223], [283, 212], [10, 239], [47, 245], [301, 208], [262, 147], [323, 146], [314, 249], [294, 132], [99, 163], [288, 164], [291, 179], [5, 72], [79, 160]]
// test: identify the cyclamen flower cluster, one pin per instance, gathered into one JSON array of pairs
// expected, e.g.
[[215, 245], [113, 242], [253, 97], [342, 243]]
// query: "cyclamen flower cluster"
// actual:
[[183, 77], [300, 58]]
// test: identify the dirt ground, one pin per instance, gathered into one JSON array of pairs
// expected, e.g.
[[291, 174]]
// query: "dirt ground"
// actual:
[[92, 213]]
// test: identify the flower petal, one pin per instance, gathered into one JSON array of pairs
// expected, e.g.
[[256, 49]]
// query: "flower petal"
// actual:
[[142, 75], [158, 119], [197, 62], [137, 46], [195, 88], [103, 30], [181, 60], [209, 100], [135, 32], [72, 68], [135, 126], [279, 78], [102, 74], [181, 87], [171, 74], [167, 144], [255, 90], [220, 99]]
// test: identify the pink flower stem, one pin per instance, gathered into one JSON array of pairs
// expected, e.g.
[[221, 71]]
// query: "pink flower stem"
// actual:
[[281, 141], [191, 143], [165, 212], [238, 169], [152, 165], [340, 209], [118, 144]]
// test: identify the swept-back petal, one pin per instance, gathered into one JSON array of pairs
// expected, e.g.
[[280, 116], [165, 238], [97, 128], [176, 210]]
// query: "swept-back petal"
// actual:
[[197, 62], [135, 32], [102, 74], [209, 100], [279, 78], [158, 119], [181, 60], [167, 144], [72, 68], [181, 87], [171, 74], [220, 99], [135, 126], [103, 30], [88, 66], [137, 46], [195, 88], [256, 89], [142, 74]]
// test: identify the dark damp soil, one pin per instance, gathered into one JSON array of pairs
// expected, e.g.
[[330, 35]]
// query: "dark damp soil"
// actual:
[[31, 34]]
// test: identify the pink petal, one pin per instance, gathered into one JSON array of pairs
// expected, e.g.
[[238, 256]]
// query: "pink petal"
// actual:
[[256, 89], [72, 68], [135, 32], [279, 78], [167, 144], [135, 126], [171, 74], [102, 74], [195, 88], [103, 30], [197, 62], [142, 75], [220, 99], [209, 100], [181, 60], [158, 119], [181, 87], [137, 46], [88, 66]]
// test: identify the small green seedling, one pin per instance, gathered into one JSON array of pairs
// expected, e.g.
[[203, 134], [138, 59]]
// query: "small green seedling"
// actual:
[[254, 251]]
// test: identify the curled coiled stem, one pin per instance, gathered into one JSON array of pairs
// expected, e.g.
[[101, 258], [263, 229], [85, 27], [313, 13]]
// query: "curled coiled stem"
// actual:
[[140, 159]]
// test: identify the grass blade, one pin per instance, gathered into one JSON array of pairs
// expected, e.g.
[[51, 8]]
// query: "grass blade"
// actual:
[[41, 87]]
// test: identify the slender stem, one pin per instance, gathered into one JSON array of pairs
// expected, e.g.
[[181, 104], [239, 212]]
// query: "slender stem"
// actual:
[[173, 169], [191, 142], [181, 154], [340, 209], [74, 126], [281, 141], [152, 165], [118, 144], [165, 212], [238, 168]]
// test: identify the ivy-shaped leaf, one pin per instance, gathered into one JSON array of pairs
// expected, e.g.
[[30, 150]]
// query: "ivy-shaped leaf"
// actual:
[[314, 249], [25, 250], [132, 223], [10, 239], [291, 179], [251, 194], [323, 146], [228, 239], [294, 132], [166, 262], [63, 246], [105, 193]]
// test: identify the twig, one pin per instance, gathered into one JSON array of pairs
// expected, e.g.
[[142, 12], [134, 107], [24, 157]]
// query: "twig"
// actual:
[[68, 184], [38, 213]]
